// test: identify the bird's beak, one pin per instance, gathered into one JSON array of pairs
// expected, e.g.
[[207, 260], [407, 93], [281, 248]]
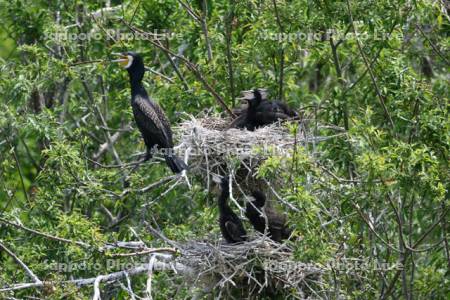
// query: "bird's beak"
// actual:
[[217, 178], [250, 198], [245, 96], [122, 60], [244, 101], [264, 93]]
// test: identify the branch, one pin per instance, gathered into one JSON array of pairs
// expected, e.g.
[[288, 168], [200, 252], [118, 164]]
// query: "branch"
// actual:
[[150, 186], [16, 159], [113, 139], [159, 74], [202, 21], [366, 62], [372, 227], [20, 262], [280, 26], [190, 11], [51, 237], [102, 119], [374, 59], [112, 277], [435, 49], [205, 30], [228, 39], [417, 243], [146, 251]]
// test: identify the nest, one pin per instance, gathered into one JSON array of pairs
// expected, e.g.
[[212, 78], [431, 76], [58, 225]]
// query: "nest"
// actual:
[[259, 267], [256, 268], [211, 147]]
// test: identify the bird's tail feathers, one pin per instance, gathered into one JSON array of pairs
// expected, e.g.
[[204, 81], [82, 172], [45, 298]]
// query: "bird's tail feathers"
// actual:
[[176, 164]]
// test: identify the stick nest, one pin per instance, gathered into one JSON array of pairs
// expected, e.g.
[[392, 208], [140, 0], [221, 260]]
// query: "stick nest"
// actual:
[[211, 147], [254, 268]]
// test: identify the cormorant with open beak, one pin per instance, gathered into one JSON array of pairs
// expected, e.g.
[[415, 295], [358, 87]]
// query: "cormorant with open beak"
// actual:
[[261, 216], [230, 225], [150, 118]]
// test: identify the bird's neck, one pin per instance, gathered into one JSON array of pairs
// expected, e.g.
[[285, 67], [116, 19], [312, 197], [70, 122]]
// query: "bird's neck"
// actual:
[[254, 104], [260, 200], [137, 88], [258, 101], [223, 205]]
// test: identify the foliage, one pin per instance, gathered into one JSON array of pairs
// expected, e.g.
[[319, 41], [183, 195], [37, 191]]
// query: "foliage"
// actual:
[[377, 194]]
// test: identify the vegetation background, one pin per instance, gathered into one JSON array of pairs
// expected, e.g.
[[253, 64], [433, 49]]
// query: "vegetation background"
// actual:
[[382, 79]]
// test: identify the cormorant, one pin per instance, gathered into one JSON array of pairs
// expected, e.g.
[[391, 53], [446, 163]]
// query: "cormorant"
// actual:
[[150, 118], [230, 225], [260, 111], [260, 215]]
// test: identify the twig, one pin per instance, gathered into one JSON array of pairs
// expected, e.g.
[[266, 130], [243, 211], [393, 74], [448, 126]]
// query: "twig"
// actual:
[[150, 186], [177, 71], [372, 227], [135, 11], [202, 21], [148, 288], [372, 75], [228, 38], [140, 269], [444, 233], [97, 288], [52, 237], [287, 203], [205, 30], [160, 74], [417, 243], [129, 289], [88, 62], [433, 46], [27, 149], [19, 168], [113, 139], [144, 252], [280, 26], [20, 262], [103, 121]]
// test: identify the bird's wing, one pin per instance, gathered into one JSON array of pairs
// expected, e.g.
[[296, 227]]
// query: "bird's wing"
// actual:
[[155, 121], [239, 122], [286, 109], [276, 220], [234, 231], [267, 117], [164, 121], [290, 112]]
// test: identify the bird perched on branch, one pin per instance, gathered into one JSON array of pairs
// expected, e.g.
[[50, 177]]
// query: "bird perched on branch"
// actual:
[[230, 225], [149, 116], [260, 111], [261, 216]]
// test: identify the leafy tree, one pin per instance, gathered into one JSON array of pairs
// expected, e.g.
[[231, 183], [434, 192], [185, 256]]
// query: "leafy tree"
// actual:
[[375, 72]]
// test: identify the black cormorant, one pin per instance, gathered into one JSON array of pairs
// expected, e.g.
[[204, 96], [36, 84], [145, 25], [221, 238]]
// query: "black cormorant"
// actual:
[[274, 106], [230, 225], [259, 215], [260, 111], [150, 118]]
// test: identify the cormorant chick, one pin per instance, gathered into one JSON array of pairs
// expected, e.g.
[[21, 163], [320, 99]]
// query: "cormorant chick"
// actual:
[[260, 215], [150, 118], [230, 225], [261, 111]]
